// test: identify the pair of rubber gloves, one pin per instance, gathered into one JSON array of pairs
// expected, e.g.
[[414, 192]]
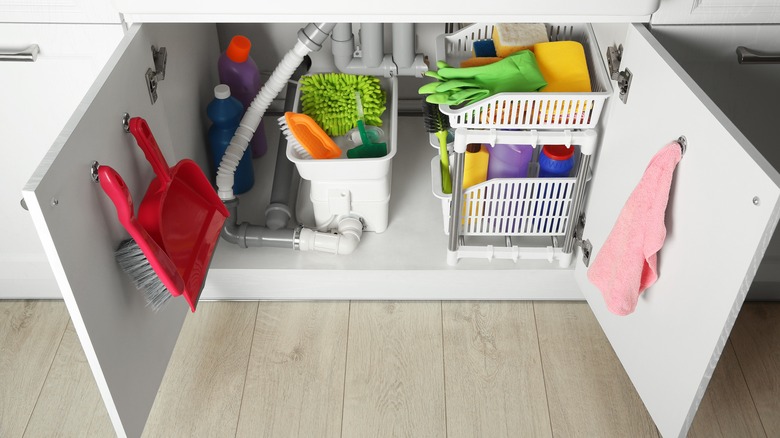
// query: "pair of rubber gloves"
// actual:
[[515, 73]]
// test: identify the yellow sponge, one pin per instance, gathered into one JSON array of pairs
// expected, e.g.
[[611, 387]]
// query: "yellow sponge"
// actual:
[[514, 37], [563, 66], [477, 61]]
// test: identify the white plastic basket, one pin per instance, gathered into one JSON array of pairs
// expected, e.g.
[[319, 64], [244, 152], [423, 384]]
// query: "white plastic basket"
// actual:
[[361, 186], [530, 110], [510, 206]]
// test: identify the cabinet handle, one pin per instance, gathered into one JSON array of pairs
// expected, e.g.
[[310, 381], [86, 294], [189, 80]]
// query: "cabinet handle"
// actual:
[[30, 54], [749, 56]]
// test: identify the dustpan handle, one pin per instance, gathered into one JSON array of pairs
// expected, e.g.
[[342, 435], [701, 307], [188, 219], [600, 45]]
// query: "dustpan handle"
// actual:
[[163, 266], [145, 139]]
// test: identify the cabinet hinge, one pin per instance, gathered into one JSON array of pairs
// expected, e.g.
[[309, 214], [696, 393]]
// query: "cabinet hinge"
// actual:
[[585, 244], [153, 77], [623, 78]]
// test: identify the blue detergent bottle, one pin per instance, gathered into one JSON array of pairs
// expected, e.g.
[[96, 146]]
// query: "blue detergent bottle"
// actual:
[[225, 113]]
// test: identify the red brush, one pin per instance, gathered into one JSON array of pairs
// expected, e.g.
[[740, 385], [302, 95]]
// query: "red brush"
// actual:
[[140, 257], [177, 229]]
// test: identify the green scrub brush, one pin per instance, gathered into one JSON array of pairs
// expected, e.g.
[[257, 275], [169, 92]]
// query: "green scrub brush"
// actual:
[[438, 124], [329, 99], [368, 148]]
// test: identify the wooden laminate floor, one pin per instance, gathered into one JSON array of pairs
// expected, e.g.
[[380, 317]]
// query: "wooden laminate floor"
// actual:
[[373, 369]]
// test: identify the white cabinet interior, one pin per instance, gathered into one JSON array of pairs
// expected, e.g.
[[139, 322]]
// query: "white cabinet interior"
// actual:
[[125, 342]]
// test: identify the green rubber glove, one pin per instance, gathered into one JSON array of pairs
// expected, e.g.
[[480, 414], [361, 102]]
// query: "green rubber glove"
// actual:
[[515, 73]]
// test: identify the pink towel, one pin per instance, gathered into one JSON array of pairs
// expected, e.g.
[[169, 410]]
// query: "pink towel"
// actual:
[[627, 263]]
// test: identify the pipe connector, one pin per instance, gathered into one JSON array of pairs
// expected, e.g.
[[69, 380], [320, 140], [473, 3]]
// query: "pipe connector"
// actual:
[[343, 242], [277, 216], [314, 34]]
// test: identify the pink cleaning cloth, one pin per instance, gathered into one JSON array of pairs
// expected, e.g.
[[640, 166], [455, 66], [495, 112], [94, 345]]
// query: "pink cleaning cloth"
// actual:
[[627, 263]]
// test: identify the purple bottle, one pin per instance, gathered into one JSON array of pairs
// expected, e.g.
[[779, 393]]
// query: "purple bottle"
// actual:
[[239, 72], [509, 160]]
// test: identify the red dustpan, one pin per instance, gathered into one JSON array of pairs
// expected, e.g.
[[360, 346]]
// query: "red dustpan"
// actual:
[[181, 212]]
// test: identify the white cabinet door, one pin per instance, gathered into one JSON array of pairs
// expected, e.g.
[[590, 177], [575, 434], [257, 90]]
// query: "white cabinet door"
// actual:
[[722, 211], [58, 11], [38, 97], [127, 345]]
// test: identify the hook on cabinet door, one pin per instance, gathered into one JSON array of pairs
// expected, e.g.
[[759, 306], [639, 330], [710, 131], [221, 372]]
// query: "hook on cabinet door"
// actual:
[[683, 142]]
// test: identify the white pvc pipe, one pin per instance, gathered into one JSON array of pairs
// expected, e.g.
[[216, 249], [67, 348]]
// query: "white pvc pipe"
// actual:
[[372, 43], [345, 241], [253, 116], [403, 44]]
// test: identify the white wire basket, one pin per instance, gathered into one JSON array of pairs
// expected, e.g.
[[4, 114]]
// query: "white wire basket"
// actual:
[[510, 206], [529, 110]]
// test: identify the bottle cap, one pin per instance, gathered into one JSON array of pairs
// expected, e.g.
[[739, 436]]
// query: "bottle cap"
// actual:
[[473, 147], [221, 91], [558, 152], [238, 49]]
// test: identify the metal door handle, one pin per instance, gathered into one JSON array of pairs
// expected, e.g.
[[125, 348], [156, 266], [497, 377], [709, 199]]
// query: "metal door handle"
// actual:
[[749, 56], [30, 54]]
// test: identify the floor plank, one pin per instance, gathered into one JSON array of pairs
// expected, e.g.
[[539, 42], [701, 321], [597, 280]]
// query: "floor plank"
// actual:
[[727, 410], [588, 391], [70, 403], [202, 389], [756, 339], [494, 380], [295, 379], [394, 378], [30, 333]]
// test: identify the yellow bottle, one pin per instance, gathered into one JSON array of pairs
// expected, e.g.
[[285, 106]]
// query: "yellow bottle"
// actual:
[[475, 165]]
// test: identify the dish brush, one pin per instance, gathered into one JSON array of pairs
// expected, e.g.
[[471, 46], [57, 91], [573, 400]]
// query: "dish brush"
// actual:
[[307, 138], [155, 274], [438, 124], [329, 98], [367, 148]]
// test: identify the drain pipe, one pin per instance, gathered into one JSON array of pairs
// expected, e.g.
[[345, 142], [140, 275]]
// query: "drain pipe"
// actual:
[[278, 213], [345, 240], [349, 229], [369, 59]]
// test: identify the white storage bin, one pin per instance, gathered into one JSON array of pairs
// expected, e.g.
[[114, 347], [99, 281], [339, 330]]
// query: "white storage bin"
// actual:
[[529, 110], [360, 186], [510, 206]]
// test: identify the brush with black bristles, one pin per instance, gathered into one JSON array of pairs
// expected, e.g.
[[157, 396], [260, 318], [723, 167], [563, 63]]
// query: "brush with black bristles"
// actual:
[[438, 124], [140, 257]]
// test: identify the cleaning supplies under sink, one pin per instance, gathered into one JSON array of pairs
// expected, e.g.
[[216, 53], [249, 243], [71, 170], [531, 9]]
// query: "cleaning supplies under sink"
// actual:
[[329, 99], [516, 73], [306, 137], [509, 38], [239, 71], [564, 66], [368, 147], [225, 113]]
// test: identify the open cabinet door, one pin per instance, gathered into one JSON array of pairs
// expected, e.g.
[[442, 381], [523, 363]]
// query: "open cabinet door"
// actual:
[[722, 210], [126, 344]]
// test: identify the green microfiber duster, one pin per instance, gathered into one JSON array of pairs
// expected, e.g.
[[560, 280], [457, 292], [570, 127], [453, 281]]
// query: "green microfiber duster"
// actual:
[[329, 99]]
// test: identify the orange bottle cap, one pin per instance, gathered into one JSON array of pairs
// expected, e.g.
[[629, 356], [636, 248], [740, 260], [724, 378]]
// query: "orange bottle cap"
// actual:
[[238, 49]]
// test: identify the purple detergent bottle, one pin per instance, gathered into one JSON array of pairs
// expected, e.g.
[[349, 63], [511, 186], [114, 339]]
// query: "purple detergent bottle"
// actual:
[[239, 72]]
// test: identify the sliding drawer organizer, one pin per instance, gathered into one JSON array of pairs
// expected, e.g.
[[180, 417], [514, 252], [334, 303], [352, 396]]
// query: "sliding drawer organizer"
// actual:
[[524, 207]]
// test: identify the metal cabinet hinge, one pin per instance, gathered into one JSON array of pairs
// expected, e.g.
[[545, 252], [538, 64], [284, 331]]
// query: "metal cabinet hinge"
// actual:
[[623, 78], [153, 77], [585, 244]]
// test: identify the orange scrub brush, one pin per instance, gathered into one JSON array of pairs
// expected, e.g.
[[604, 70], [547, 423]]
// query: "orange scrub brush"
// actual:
[[307, 138]]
